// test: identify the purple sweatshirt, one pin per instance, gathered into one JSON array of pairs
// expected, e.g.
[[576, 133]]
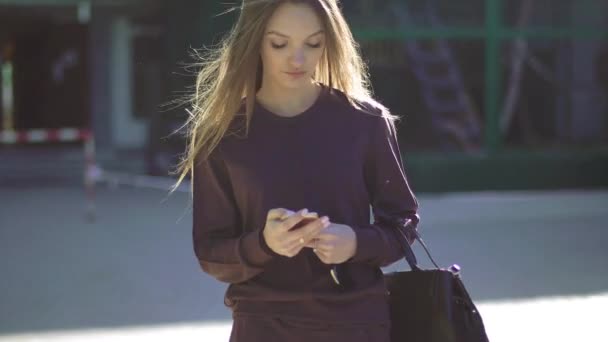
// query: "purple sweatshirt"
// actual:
[[333, 159]]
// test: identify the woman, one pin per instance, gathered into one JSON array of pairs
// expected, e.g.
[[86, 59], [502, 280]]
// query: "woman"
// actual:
[[287, 152]]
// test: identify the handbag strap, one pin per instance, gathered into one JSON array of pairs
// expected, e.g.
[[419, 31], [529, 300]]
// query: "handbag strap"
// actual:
[[410, 257]]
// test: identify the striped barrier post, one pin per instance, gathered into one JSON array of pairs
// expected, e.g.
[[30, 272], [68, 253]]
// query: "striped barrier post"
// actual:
[[92, 173]]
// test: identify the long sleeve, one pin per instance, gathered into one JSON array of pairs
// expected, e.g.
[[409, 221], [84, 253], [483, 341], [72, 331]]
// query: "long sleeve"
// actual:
[[391, 198], [224, 249]]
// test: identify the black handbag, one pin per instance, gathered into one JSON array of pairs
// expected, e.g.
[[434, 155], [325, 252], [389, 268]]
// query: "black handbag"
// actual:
[[430, 305]]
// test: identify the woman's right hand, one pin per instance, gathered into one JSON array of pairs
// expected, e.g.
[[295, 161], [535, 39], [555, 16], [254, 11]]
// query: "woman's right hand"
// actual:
[[282, 239]]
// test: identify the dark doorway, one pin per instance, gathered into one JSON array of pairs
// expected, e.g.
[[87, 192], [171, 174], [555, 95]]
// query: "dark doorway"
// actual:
[[49, 62]]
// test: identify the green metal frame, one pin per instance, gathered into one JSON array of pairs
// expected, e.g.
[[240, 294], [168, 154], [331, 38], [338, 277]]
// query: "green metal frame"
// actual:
[[493, 33], [528, 163]]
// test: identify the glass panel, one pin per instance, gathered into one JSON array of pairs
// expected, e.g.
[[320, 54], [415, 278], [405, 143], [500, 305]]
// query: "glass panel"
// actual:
[[436, 86], [556, 94]]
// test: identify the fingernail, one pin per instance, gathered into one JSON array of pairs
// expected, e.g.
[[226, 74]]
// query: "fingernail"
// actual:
[[287, 214], [304, 211], [325, 220]]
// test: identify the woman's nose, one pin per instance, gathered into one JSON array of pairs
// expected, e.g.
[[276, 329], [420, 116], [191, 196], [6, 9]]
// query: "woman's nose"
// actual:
[[297, 59]]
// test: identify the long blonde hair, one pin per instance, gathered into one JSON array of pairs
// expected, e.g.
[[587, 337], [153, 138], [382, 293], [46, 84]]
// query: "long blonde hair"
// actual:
[[231, 72]]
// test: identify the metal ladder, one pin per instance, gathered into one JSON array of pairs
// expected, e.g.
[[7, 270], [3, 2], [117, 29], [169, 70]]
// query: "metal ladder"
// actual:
[[453, 115]]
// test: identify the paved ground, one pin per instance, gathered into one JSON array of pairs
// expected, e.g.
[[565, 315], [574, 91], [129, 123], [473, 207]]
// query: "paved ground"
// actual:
[[536, 263]]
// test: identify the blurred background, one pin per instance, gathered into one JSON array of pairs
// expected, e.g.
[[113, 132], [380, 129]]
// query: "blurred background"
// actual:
[[504, 134]]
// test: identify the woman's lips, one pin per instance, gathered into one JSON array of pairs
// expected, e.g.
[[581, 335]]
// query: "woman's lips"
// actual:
[[296, 73]]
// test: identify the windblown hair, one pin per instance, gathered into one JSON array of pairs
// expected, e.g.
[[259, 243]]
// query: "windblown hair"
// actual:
[[231, 72]]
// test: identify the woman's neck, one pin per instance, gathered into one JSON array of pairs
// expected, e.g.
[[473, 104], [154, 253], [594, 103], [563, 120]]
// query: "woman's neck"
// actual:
[[288, 102]]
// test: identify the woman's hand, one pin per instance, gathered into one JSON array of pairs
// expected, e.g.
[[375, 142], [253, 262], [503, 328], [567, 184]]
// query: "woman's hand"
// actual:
[[335, 244], [282, 239]]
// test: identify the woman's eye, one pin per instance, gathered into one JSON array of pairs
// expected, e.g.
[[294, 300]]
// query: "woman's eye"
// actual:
[[314, 46], [278, 46]]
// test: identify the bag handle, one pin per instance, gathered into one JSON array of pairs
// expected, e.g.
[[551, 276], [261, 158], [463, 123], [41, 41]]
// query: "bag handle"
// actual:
[[410, 257]]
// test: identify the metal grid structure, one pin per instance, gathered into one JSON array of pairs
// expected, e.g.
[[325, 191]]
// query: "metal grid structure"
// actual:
[[500, 26]]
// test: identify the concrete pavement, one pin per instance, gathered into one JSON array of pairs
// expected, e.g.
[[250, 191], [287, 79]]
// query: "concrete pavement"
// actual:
[[134, 268]]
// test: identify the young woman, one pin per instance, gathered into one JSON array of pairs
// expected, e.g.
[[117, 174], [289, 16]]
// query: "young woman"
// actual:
[[287, 152]]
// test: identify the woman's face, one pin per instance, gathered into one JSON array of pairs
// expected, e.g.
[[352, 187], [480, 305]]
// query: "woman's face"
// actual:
[[292, 45]]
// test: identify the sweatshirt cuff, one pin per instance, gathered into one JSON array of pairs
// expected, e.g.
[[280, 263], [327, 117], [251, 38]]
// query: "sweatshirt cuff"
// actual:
[[369, 244], [254, 251]]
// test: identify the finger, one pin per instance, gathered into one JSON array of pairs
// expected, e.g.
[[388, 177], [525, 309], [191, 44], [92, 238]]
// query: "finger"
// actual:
[[306, 233], [293, 244], [313, 229], [325, 248], [305, 214], [326, 236], [278, 214], [293, 219], [312, 243], [303, 240], [306, 217], [323, 257], [311, 214], [287, 248], [293, 251]]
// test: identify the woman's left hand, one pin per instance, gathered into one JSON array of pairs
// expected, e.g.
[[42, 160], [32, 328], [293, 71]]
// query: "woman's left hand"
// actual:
[[335, 244]]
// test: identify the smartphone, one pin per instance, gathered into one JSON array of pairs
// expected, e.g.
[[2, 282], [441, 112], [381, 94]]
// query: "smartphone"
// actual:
[[304, 221]]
